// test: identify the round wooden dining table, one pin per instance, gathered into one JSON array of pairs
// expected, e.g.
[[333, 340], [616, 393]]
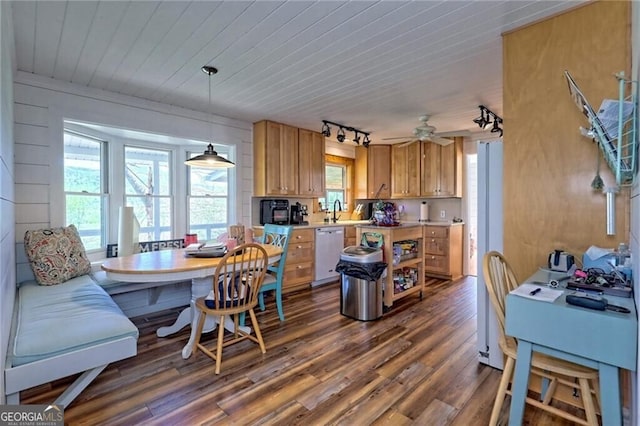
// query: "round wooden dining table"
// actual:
[[176, 265]]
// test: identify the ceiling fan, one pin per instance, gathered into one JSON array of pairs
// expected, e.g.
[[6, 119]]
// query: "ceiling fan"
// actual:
[[427, 132]]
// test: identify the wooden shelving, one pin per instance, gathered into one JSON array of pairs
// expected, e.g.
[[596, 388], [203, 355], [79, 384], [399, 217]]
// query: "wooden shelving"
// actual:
[[391, 235]]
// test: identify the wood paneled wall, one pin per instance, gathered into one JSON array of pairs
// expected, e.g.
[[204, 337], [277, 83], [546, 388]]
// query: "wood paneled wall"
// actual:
[[549, 166]]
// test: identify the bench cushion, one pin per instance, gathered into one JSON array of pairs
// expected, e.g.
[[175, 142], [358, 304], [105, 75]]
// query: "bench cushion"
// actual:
[[54, 320]]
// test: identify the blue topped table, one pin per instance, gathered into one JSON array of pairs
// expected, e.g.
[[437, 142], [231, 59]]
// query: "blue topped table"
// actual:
[[603, 340]]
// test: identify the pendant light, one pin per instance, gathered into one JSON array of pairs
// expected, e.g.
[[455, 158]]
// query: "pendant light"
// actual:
[[210, 158]]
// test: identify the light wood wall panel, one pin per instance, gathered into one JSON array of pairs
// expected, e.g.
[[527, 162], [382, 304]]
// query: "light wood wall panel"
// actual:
[[549, 166]]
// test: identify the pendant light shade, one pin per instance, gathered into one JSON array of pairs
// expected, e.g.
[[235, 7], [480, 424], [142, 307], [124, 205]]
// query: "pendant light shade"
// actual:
[[210, 158]]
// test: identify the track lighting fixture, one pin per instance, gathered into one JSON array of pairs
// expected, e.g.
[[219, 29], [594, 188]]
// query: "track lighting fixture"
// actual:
[[341, 136], [486, 118]]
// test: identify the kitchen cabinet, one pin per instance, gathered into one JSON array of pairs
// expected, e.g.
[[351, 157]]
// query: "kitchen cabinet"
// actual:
[[409, 269], [275, 159], [442, 169], [311, 169], [298, 271], [350, 236], [373, 172], [405, 169], [443, 251]]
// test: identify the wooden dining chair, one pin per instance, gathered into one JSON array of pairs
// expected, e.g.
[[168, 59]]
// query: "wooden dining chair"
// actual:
[[235, 288], [277, 235], [500, 280]]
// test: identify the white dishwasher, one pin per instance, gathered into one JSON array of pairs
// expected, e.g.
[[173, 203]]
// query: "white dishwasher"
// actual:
[[329, 245]]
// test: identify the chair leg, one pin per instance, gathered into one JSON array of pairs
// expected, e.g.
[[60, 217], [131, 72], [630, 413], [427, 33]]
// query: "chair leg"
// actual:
[[587, 401], [256, 327], [219, 344], [502, 391], [261, 300], [199, 328], [279, 302]]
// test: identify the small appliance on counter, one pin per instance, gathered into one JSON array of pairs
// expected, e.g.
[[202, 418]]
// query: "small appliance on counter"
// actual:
[[274, 211], [560, 261], [298, 213]]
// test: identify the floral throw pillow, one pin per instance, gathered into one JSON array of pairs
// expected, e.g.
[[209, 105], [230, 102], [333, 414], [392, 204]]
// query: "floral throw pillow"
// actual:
[[56, 255]]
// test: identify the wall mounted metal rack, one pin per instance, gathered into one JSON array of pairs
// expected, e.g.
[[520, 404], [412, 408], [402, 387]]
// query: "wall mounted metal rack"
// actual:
[[614, 127]]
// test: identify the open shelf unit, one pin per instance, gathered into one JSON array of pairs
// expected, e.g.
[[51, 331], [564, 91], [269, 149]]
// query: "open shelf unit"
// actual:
[[392, 235], [615, 128]]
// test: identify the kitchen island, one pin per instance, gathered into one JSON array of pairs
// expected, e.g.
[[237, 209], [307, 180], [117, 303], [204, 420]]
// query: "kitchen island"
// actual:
[[403, 253]]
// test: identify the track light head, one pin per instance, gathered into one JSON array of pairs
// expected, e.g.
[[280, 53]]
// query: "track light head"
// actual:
[[366, 141], [496, 126], [326, 130], [480, 121], [356, 138], [340, 136]]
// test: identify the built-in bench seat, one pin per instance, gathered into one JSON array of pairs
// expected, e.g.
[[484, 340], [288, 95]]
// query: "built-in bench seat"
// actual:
[[64, 329], [113, 287]]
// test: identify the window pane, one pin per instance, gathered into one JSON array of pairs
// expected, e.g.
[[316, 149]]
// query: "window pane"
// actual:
[[154, 215], [335, 177], [209, 181], [86, 213], [333, 195], [207, 217], [82, 168], [148, 190], [84, 178], [146, 171]]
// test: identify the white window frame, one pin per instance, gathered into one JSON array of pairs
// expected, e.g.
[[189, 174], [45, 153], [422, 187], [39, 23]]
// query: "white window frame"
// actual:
[[116, 197]]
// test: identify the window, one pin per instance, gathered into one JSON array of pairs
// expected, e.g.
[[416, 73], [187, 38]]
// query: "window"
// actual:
[[85, 187], [148, 191], [208, 201], [336, 184], [169, 199]]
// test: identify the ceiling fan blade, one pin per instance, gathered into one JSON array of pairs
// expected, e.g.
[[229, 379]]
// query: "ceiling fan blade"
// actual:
[[440, 141], [399, 137], [454, 133]]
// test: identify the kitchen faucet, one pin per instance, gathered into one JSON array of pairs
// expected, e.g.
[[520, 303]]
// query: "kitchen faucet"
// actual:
[[335, 219]]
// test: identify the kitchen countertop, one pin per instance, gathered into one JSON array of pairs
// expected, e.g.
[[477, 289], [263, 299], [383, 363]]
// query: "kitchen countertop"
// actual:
[[368, 223]]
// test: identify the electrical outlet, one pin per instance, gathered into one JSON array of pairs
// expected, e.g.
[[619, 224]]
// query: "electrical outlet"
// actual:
[[443, 214]]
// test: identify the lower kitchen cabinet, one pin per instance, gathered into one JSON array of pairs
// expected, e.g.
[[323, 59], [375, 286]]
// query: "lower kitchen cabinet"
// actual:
[[350, 236], [298, 271], [443, 251]]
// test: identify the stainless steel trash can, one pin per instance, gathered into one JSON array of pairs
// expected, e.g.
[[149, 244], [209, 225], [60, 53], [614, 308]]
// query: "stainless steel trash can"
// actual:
[[360, 298]]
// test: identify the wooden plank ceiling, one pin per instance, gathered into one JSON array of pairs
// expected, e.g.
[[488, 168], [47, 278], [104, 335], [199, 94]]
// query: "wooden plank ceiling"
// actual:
[[376, 66]]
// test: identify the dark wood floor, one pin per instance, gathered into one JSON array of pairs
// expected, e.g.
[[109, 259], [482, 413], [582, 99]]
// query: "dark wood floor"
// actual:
[[418, 365]]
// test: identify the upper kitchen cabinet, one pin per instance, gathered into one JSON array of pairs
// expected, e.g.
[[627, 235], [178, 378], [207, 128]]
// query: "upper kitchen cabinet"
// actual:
[[373, 172], [442, 169], [311, 169], [405, 170], [275, 159]]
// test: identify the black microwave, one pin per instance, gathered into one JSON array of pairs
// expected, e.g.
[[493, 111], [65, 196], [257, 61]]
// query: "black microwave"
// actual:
[[274, 211]]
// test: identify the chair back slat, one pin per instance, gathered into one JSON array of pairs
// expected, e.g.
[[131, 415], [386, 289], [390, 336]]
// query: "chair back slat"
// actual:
[[499, 280], [280, 236], [238, 278]]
